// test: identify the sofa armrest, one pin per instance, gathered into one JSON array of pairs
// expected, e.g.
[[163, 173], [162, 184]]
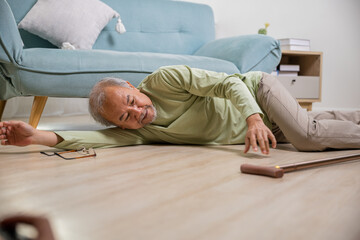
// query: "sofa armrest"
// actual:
[[11, 44], [248, 52]]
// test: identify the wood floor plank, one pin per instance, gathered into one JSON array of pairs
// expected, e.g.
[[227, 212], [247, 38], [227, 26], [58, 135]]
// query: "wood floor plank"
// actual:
[[182, 192]]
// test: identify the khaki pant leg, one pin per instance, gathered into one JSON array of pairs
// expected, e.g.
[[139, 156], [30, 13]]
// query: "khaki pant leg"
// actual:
[[353, 116], [298, 126]]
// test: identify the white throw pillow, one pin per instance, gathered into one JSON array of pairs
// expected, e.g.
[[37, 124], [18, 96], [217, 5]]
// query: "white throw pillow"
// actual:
[[77, 23]]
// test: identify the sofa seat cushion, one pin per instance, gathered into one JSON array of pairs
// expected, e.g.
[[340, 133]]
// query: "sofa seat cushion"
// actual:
[[48, 72]]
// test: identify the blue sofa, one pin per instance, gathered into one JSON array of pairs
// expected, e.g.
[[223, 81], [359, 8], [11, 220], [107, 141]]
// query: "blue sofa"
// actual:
[[159, 32]]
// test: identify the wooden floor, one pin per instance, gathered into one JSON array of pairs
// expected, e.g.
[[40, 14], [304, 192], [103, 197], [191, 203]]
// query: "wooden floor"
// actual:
[[182, 192]]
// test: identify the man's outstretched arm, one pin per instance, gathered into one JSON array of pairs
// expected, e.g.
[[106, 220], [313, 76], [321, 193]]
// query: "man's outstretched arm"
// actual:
[[19, 133]]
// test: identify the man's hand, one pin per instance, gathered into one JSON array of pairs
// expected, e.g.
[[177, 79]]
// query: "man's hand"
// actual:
[[258, 132], [21, 134]]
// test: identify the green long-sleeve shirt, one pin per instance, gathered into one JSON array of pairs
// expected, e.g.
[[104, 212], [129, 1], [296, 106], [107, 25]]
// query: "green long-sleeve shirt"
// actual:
[[194, 106]]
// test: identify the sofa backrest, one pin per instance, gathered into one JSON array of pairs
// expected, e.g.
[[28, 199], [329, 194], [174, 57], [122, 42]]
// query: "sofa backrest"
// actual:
[[162, 26]]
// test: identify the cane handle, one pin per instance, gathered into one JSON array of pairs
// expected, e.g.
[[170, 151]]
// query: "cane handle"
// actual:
[[275, 172]]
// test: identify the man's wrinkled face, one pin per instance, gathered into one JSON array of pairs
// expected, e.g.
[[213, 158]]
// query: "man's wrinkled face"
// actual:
[[127, 108]]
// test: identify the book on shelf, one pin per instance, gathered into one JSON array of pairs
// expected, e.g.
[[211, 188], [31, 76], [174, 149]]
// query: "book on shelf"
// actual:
[[295, 48], [289, 67], [294, 41], [288, 73], [294, 44], [286, 70], [284, 73]]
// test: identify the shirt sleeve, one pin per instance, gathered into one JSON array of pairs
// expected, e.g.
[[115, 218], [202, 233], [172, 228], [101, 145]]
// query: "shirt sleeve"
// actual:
[[106, 138], [213, 84]]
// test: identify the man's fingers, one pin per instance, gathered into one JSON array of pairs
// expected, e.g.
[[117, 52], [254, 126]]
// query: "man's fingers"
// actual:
[[261, 142], [273, 140], [264, 142], [253, 142], [12, 124], [3, 128], [247, 145], [260, 139], [3, 136], [267, 146], [6, 124]]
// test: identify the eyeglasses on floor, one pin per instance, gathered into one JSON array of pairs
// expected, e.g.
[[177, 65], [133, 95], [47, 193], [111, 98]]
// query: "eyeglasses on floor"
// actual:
[[73, 154]]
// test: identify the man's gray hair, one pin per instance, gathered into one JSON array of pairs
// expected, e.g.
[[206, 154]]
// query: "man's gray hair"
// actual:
[[97, 98]]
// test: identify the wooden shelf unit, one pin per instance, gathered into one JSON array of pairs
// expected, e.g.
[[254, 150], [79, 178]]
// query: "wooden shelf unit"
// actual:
[[306, 87]]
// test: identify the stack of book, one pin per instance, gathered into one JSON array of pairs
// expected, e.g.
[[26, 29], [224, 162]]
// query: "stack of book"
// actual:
[[287, 70], [295, 44]]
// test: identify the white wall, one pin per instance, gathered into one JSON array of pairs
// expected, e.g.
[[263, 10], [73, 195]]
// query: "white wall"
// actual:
[[331, 25]]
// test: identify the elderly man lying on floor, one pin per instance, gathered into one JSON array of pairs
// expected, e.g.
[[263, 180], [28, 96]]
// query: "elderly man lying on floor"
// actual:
[[183, 105]]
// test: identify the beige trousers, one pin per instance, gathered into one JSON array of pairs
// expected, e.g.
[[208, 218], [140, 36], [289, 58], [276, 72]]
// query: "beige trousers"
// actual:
[[307, 131]]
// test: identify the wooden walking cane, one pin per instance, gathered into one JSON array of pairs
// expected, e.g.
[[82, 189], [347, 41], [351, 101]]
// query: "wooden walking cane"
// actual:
[[278, 171]]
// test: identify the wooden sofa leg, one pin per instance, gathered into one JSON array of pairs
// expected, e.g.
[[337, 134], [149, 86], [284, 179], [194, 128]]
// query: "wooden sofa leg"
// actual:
[[2, 107], [36, 110]]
